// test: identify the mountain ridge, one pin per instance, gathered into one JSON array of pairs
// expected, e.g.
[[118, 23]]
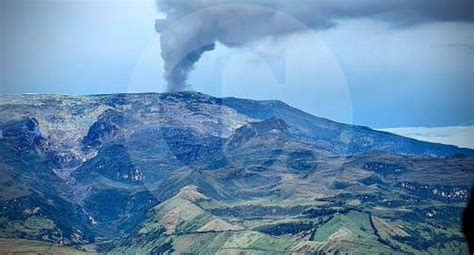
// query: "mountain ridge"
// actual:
[[325, 128], [275, 172]]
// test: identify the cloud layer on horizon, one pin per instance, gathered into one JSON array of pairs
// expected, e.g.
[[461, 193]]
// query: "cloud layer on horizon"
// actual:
[[462, 136]]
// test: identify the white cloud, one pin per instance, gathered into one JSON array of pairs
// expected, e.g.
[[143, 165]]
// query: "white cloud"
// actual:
[[462, 136]]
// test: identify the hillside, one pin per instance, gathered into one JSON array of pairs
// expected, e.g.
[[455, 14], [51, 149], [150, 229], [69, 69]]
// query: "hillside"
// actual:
[[187, 172]]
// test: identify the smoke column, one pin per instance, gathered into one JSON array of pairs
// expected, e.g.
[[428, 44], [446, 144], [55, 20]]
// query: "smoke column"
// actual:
[[192, 27], [185, 39]]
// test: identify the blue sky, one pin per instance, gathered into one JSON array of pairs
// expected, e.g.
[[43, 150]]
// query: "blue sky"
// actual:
[[363, 71]]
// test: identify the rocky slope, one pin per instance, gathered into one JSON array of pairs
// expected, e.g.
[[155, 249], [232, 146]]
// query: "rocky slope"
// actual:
[[93, 169]]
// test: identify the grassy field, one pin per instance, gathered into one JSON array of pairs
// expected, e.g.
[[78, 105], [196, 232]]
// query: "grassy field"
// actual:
[[21, 246]]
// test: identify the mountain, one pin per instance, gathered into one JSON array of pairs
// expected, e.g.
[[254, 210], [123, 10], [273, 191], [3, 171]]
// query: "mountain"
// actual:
[[187, 172]]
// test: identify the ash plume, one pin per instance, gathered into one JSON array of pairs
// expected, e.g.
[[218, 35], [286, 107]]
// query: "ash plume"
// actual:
[[192, 27]]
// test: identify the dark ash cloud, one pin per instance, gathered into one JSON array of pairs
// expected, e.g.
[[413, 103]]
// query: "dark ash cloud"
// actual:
[[192, 27]]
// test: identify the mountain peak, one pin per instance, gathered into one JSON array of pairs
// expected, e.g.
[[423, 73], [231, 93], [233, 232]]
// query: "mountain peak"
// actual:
[[192, 194], [272, 124]]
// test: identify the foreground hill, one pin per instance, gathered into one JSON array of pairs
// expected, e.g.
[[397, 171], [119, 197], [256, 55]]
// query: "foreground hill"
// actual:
[[186, 172]]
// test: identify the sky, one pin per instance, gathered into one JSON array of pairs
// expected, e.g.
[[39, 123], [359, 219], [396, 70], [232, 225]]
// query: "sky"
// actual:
[[352, 63]]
